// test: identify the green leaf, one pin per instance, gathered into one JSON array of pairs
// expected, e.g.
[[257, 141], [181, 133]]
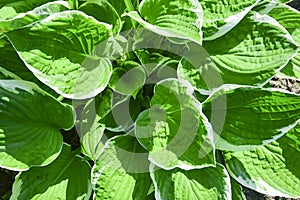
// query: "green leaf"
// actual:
[[253, 116], [179, 19], [207, 183], [30, 124], [162, 129], [91, 143], [90, 130], [272, 169], [11, 8], [11, 62], [121, 171], [265, 6], [5, 74], [103, 12], [68, 177], [237, 191], [253, 52], [36, 14], [289, 18], [67, 54], [128, 78], [221, 16], [151, 60], [120, 6]]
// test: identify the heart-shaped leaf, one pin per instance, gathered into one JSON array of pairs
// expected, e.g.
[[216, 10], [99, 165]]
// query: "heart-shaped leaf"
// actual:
[[121, 171], [67, 54], [68, 177], [30, 124], [173, 130]]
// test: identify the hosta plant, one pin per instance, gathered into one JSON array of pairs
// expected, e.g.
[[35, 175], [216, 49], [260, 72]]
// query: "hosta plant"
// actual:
[[166, 99]]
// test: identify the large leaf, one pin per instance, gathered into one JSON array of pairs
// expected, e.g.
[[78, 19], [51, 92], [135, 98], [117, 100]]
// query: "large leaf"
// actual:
[[253, 52], [207, 183], [173, 130], [103, 12], [289, 18], [179, 19], [29, 125], [66, 54], [253, 116], [11, 8], [11, 62], [272, 169], [221, 16], [36, 14], [68, 177], [121, 171]]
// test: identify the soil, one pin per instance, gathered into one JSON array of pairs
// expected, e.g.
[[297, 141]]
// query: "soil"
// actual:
[[7, 176]]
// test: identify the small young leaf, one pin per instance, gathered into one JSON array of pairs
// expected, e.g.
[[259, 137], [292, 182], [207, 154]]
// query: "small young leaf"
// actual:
[[128, 78]]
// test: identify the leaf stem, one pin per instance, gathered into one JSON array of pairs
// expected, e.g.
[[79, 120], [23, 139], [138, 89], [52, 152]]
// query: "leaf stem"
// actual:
[[130, 8]]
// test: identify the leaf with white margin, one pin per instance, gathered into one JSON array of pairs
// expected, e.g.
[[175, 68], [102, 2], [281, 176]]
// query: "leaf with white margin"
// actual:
[[207, 183], [171, 18], [174, 130], [103, 11], [121, 171], [11, 8], [91, 141], [272, 169], [66, 55], [11, 62], [221, 16], [252, 52], [89, 129], [30, 124], [68, 177], [265, 6], [289, 18], [5, 74], [36, 14], [254, 116]]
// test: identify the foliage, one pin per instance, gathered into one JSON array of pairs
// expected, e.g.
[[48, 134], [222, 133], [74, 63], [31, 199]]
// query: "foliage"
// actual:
[[170, 98]]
